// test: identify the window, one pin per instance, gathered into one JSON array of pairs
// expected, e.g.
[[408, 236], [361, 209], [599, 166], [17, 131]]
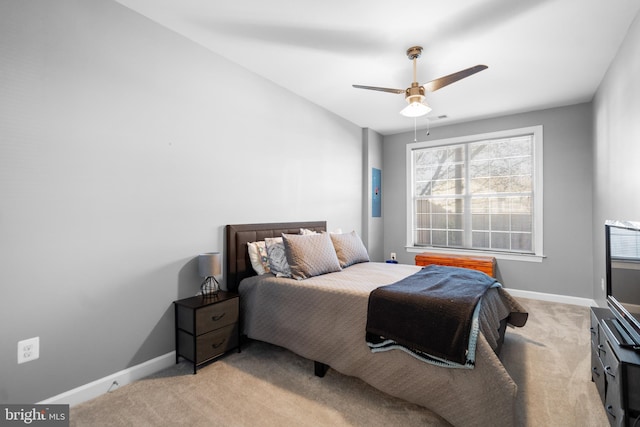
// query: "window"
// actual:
[[480, 192]]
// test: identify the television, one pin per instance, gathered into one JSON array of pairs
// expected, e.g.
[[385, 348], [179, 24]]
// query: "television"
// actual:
[[623, 279]]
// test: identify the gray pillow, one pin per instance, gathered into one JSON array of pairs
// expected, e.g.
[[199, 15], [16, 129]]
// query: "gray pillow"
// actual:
[[310, 255], [349, 248], [277, 257]]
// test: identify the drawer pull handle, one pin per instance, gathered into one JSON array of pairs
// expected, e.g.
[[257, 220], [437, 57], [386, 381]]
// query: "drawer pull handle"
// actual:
[[601, 348], [610, 411], [595, 371], [216, 318], [216, 346], [608, 370]]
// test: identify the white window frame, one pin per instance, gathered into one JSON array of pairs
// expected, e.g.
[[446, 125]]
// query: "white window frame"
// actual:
[[537, 133]]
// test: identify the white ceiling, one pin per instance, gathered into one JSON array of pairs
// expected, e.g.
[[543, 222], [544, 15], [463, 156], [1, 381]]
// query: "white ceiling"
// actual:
[[540, 53]]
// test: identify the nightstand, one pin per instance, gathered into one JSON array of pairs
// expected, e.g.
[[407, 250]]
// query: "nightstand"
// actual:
[[207, 327]]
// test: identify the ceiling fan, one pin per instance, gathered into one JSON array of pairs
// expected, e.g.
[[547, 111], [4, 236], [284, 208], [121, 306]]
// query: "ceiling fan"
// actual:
[[414, 94]]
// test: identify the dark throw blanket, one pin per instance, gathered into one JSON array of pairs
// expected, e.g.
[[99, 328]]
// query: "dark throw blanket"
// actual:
[[431, 313]]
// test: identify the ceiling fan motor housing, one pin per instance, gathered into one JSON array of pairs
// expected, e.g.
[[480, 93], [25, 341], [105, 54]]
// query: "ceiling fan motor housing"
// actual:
[[415, 93]]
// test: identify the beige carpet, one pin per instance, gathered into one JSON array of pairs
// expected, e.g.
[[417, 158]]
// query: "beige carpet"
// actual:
[[268, 386]]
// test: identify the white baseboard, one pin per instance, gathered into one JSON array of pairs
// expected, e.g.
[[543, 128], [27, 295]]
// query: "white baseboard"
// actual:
[[109, 383], [586, 302]]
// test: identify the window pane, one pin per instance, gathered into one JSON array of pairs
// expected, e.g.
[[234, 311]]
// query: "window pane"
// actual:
[[520, 241], [480, 222], [521, 165], [500, 222], [479, 169], [480, 185], [455, 221], [500, 241], [500, 167], [500, 205], [480, 205], [522, 204], [480, 240], [423, 206], [439, 221], [439, 238], [498, 184], [423, 237], [422, 188], [479, 151], [455, 238], [521, 184], [521, 146], [423, 220], [521, 222]]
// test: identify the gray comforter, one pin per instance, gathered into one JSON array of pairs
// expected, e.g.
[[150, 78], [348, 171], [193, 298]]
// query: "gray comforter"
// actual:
[[323, 319]]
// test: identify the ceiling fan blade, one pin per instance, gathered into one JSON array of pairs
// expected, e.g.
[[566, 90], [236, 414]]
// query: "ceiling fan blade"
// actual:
[[441, 82], [381, 89]]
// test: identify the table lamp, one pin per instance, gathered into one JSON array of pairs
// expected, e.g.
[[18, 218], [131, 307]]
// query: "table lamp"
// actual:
[[209, 267]]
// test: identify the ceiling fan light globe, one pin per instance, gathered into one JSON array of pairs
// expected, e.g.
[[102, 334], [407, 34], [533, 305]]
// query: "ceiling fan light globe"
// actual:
[[415, 109]]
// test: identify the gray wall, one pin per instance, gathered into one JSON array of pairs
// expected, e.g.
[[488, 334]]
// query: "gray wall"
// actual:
[[616, 177], [123, 153], [373, 236], [567, 198]]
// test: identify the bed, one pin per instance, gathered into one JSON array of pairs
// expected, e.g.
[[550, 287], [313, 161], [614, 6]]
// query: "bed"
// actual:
[[323, 318]]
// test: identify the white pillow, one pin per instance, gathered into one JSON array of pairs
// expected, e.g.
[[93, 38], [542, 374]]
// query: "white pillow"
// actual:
[[258, 257], [306, 231]]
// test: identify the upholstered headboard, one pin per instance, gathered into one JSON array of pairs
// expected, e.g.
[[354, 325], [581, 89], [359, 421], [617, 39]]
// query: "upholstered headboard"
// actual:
[[238, 265]]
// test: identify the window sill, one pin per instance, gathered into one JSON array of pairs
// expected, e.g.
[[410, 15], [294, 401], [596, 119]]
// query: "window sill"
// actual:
[[496, 255]]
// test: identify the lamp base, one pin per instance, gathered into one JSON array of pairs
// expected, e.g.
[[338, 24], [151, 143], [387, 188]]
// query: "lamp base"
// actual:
[[210, 287]]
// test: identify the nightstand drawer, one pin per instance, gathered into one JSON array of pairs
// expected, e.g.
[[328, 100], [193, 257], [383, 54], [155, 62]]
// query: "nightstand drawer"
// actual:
[[207, 318], [216, 316], [217, 342], [208, 345]]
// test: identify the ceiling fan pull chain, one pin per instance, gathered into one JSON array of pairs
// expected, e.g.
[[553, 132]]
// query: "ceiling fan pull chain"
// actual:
[[415, 132]]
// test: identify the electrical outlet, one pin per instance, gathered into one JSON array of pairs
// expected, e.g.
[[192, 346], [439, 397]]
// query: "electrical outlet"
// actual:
[[393, 256], [28, 350]]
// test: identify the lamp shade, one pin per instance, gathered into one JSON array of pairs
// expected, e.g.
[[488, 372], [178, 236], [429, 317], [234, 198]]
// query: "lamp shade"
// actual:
[[209, 264], [415, 109]]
